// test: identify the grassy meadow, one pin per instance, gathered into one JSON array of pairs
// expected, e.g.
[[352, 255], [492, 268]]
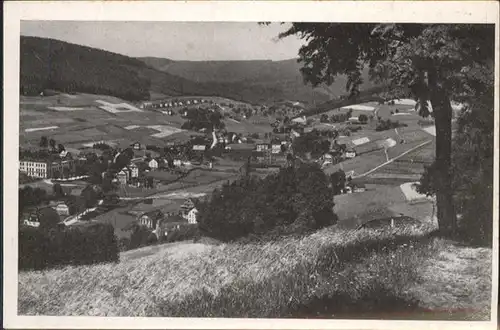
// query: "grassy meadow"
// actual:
[[333, 273]]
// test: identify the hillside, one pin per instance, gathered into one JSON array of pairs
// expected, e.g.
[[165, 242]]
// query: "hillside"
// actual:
[[329, 274], [283, 77], [53, 64]]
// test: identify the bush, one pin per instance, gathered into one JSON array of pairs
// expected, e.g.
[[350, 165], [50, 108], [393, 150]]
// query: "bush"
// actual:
[[384, 125], [297, 199], [78, 245], [141, 236], [185, 232]]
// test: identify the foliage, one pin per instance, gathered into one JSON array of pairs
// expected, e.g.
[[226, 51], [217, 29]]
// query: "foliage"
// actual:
[[29, 197], [101, 146], [80, 245], [53, 64], [295, 199], [341, 117], [363, 118], [57, 190], [44, 142], [472, 171], [203, 118], [141, 236], [433, 63], [387, 124], [311, 142], [185, 232], [338, 182], [90, 196]]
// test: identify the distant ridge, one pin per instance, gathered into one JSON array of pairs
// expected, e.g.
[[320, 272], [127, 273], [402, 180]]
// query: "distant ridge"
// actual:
[[58, 65]]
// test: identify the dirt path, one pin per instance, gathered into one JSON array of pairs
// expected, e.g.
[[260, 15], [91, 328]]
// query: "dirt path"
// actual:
[[392, 159]]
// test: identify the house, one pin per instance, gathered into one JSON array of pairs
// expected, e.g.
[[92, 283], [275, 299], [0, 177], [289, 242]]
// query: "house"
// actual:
[[136, 145], [359, 187], [354, 120], [189, 211], [276, 148], [35, 168], [199, 147], [262, 146], [170, 223], [294, 133], [300, 120], [153, 164], [350, 154], [134, 170], [150, 219], [62, 209], [122, 177], [126, 170], [192, 216]]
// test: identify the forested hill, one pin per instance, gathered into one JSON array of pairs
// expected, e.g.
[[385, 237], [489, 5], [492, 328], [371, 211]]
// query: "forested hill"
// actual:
[[283, 77], [53, 64]]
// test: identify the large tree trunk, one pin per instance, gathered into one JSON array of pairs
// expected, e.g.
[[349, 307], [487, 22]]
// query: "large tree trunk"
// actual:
[[447, 218]]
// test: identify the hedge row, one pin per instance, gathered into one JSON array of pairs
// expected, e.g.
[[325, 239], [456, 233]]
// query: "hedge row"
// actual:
[[79, 245]]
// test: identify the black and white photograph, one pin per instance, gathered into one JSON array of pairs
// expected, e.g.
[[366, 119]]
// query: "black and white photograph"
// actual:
[[268, 168]]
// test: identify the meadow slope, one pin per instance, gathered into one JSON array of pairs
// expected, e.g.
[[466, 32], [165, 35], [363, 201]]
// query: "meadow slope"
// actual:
[[330, 274]]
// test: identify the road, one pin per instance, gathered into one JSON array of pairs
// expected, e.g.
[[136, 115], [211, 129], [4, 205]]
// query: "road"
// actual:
[[392, 159]]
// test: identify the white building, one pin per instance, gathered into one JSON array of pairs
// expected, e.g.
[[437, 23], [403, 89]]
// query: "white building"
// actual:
[[62, 209], [192, 216], [134, 171], [153, 164], [35, 169]]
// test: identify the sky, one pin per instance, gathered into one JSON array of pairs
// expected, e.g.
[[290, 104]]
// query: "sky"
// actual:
[[193, 41]]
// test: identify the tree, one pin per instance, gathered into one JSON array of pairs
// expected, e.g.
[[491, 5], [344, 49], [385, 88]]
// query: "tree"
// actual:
[[66, 172], [60, 148], [338, 181], [432, 63], [296, 199], [44, 142], [57, 190], [312, 143], [324, 118], [363, 119], [52, 144], [107, 183], [56, 174], [89, 195]]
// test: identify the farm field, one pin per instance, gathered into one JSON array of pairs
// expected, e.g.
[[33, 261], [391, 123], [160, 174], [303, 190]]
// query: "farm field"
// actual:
[[360, 164], [378, 201], [245, 126], [83, 113]]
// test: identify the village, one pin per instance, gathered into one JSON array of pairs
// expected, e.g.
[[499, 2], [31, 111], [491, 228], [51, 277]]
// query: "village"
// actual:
[[144, 170]]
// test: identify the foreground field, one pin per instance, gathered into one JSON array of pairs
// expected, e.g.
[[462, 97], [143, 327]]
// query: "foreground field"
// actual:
[[330, 274]]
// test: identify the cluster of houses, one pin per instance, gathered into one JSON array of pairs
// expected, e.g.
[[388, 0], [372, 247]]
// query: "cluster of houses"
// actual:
[[172, 104], [161, 223]]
